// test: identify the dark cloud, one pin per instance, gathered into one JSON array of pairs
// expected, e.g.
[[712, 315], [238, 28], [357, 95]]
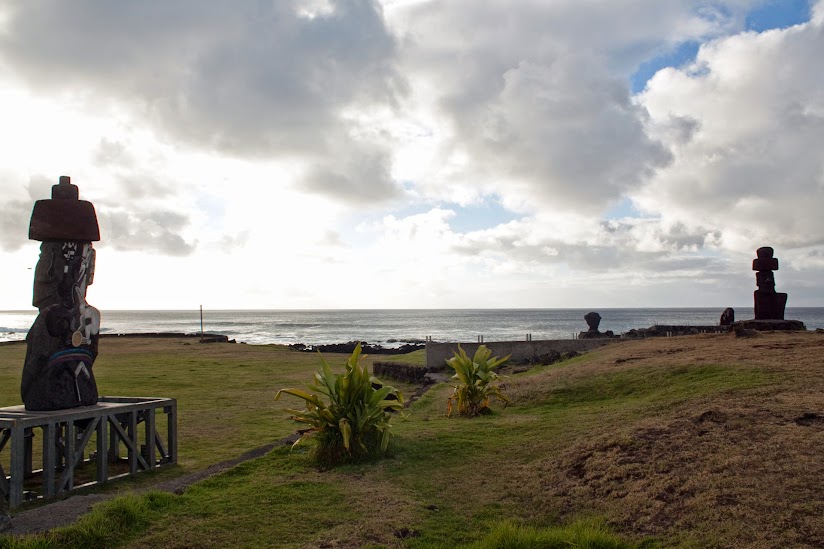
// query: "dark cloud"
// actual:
[[149, 231], [538, 95], [254, 79], [14, 224], [16, 214], [112, 152], [141, 185], [361, 176], [593, 258], [572, 135], [39, 187], [635, 246], [624, 34]]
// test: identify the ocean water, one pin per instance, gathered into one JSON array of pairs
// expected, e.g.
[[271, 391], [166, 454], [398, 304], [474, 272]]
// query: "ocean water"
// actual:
[[394, 327]]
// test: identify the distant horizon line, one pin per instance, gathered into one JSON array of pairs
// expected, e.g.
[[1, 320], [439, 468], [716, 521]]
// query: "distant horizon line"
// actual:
[[197, 309]]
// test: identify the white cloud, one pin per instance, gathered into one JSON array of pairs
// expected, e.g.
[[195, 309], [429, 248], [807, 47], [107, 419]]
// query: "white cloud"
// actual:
[[535, 94], [751, 168]]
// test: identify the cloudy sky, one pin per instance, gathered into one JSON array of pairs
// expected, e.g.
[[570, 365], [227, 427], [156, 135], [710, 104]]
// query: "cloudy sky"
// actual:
[[419, 153]]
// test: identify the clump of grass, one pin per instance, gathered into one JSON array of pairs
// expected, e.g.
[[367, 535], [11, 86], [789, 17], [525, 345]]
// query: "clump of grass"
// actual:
[[582, 534], [105, 526]]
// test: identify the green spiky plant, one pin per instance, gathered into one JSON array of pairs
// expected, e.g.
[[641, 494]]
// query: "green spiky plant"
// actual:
[[352, 421], [478, 383]]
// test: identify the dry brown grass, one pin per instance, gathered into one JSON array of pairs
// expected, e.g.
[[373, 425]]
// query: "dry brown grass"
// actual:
[[740, 468]]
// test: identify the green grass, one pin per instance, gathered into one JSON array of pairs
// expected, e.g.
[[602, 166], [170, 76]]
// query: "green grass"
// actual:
[[104, 527], [417, 358], [225, 392], [447, 483], [642, 385], [582, 534]]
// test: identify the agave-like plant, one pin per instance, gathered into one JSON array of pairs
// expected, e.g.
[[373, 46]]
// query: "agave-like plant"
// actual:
[[352, 421], [477, 381]]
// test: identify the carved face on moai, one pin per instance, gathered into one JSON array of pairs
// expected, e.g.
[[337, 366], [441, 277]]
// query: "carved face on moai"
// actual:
[[62, 342], [769, 304]]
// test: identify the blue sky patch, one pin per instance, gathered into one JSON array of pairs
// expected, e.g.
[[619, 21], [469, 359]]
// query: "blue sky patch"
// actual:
[[778, 14], [480, 217], [773, 14], [683, 54], [477, 217], [624, 208]]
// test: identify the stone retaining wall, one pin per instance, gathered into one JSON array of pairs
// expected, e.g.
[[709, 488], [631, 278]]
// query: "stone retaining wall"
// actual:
[[400, 371], [437, 353]]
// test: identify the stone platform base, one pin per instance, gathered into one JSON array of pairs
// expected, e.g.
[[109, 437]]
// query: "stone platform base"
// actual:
[[596, 335], [109, 427], [770, 325]]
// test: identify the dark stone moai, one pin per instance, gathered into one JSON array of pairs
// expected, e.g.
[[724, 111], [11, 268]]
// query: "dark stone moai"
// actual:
[[62, 342], [769, 304], [727, 317], [593, 320]]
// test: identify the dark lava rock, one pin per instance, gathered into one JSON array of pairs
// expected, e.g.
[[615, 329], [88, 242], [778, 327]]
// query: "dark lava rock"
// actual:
[[712, 416], [406, 533], [663, 330], [367, 348], [402, 372], [809, 418], [741, 331]]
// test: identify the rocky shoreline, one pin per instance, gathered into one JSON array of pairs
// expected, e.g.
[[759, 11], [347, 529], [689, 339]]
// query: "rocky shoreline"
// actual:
[[366, 347], [410, 345], [205, 338]]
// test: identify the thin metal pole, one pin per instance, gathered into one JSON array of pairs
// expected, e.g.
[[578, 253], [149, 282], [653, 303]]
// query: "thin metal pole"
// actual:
[[201, 323]]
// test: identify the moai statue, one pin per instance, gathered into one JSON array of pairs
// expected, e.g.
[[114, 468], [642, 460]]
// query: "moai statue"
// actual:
[[62, 342], [769, 304], [727, 317], [593, 319]]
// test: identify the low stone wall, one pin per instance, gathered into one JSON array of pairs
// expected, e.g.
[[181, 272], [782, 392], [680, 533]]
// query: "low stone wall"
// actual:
[[400, 371], [669, 330], [770, 325], [437, 353]]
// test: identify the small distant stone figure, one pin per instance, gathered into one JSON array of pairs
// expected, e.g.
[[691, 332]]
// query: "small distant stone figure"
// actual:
[[62, 342], [769, 304], [727, 317], [593, 320]]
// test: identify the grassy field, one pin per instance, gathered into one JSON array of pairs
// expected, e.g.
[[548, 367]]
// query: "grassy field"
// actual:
[[224, 391], [697, 441]]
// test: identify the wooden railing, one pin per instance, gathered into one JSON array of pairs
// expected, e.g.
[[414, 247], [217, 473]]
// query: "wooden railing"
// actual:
[[112, 427]]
